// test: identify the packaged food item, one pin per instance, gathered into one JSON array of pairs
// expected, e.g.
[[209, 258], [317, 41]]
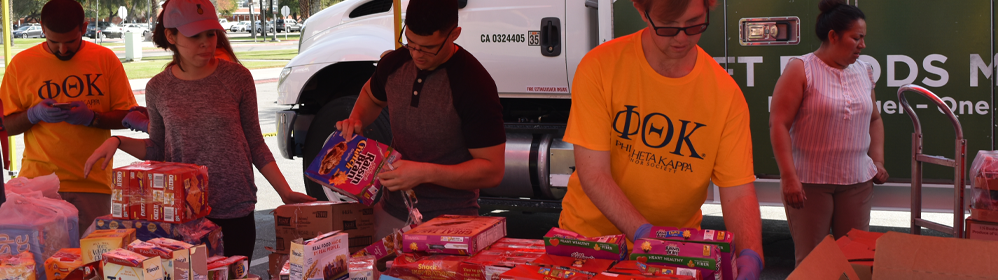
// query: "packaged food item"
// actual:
[[984, 183], [649, 270], [21, 266], [89, 271], [99, 242], [350, 167], [196, 232], [410, 266], [519, 245], [121, 264], [188, 262], [275, 263], [308, 220], [134, 189], [160, 192], [38, 224], [453, 234], [58, 266], [286, 271], [218, 271], [237, 266], [385, 247], [723, 239], [532, 272], [489, 264], [322, 257], [362, 268], [621, 276], [562, 242], [589, 267], [704, 257], [121, 194]]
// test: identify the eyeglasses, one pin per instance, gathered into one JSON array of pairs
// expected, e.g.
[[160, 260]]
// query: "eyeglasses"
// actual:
[[673, 31], [423, 49]]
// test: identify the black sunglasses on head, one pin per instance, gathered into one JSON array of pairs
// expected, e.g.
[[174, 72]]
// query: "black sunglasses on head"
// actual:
[[673, 31]]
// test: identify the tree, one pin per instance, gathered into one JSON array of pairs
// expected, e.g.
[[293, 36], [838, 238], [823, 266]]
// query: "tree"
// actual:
[[30, 10], [293, 5], [225, 8]]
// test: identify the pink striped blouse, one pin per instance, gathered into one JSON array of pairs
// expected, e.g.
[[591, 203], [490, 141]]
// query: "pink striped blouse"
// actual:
[[830, 136]]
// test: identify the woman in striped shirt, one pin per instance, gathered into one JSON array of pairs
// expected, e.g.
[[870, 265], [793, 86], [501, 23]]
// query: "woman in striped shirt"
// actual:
[[827, 135]]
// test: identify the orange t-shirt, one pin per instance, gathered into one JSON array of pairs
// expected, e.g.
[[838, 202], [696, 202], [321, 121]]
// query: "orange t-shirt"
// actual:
[[667, 137], [94, 76]]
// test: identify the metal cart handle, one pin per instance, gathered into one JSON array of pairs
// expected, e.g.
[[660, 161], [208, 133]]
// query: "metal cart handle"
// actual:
[[958, 163]]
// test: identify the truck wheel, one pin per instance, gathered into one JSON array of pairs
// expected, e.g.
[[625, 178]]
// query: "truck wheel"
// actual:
[[324, 124]]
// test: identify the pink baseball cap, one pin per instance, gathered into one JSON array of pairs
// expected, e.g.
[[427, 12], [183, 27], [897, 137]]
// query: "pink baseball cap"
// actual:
[[191, 17]]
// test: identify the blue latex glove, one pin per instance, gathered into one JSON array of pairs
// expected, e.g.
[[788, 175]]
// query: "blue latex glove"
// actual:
[[80, 114], [136, 120], [749, 265], [642, 232], [44, 112]]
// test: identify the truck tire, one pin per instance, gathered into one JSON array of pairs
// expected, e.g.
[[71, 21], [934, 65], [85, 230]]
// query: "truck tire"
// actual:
[[324, 124]]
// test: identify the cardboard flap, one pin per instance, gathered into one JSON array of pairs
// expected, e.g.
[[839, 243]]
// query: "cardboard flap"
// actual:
[[906, 256], [826, 261]]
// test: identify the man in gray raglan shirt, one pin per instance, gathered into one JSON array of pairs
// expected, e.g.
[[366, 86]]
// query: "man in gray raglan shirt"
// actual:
[[445, 115]]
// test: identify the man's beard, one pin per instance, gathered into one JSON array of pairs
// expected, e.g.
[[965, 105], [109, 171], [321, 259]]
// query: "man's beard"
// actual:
[[65, 57]]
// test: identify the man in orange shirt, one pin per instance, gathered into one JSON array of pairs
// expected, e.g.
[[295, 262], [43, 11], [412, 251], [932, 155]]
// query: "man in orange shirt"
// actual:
[[654, 120], [66, 95]]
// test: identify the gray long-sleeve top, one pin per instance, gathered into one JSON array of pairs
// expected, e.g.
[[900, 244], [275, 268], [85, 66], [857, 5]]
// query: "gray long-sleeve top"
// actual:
[[212, 122]]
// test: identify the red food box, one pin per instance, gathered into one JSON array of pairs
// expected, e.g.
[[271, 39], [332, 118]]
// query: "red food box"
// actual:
[[454, 234], [134, 186], [590, 267], [703, 257], [179, 193], [532, 272], [121, 194], [519, 245], [620, 276], [647, 270], [489, 264], [423, 267]]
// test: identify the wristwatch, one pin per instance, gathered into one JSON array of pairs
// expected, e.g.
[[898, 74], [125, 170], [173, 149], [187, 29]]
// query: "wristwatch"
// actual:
[[95, 121]]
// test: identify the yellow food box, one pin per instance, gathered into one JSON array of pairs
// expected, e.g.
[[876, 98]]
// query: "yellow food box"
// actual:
[[62, 263], [103, 241], [20, 266]]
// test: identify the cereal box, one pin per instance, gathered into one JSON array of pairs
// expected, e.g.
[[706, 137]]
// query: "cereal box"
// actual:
[[562, 242], [189, 262], [350, 167], [62, 263], [102, 241], [196, 232], [454, 234], [18, 267], [703, 257], [723, 239], [639, 268], [426, 267], [121, 264], [324, 257], [362, 268]]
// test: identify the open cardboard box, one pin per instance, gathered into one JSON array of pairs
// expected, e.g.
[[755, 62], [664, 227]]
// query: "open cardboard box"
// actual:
[[905, 256]]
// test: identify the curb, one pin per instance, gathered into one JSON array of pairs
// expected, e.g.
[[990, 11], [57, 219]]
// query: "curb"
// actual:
[[260, 81]]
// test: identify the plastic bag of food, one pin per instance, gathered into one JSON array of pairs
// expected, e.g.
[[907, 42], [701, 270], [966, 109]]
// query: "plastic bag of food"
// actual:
[[38, 224], [984, 179], [48, 185]]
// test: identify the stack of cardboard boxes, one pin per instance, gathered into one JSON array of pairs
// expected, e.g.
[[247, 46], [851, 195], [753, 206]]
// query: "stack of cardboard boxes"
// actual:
[[309, 220]]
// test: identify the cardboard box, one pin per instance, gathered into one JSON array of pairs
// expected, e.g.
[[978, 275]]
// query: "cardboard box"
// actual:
[[984, 215], [981, 230], [350, 167], [723, 239], [196, 232], [102, 241], [859, 247], [121, 264], [453, 234], [906, 256], [135, 188], [308, 220], [826, 261], [184, 190], [21, 266], [121, 194], [58, 266], [189, 262], [322, 257], [562, 242], [276, 264], [703, 257]]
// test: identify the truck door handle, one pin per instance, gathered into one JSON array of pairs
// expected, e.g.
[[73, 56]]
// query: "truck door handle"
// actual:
[[550, 36]]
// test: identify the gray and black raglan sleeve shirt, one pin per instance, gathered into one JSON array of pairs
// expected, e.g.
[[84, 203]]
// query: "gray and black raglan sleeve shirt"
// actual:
[[436, 116]]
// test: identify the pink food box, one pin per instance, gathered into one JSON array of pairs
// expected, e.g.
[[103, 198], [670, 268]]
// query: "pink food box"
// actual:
[[560, 242], [723, 239], [700, 256], [454, 234]]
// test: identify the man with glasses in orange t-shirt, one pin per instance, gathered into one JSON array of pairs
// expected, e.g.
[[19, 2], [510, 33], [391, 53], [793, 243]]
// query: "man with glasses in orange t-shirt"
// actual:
[[654, 121], [446, 119], [65, 95]]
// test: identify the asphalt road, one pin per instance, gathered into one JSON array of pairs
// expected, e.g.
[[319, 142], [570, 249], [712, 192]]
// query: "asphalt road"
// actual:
[[778, 246]]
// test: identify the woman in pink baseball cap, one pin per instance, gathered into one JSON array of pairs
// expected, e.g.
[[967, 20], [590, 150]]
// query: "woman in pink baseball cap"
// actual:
[[203, 110]]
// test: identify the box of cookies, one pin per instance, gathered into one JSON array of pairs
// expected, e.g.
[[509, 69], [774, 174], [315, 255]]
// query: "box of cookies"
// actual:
[[703, 257], [454, 234], [561, 242], [723, 239], [350, 166]]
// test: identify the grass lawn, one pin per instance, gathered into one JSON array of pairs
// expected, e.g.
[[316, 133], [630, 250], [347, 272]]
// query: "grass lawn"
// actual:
[[253, 55], [242, 38], [149, 68]]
